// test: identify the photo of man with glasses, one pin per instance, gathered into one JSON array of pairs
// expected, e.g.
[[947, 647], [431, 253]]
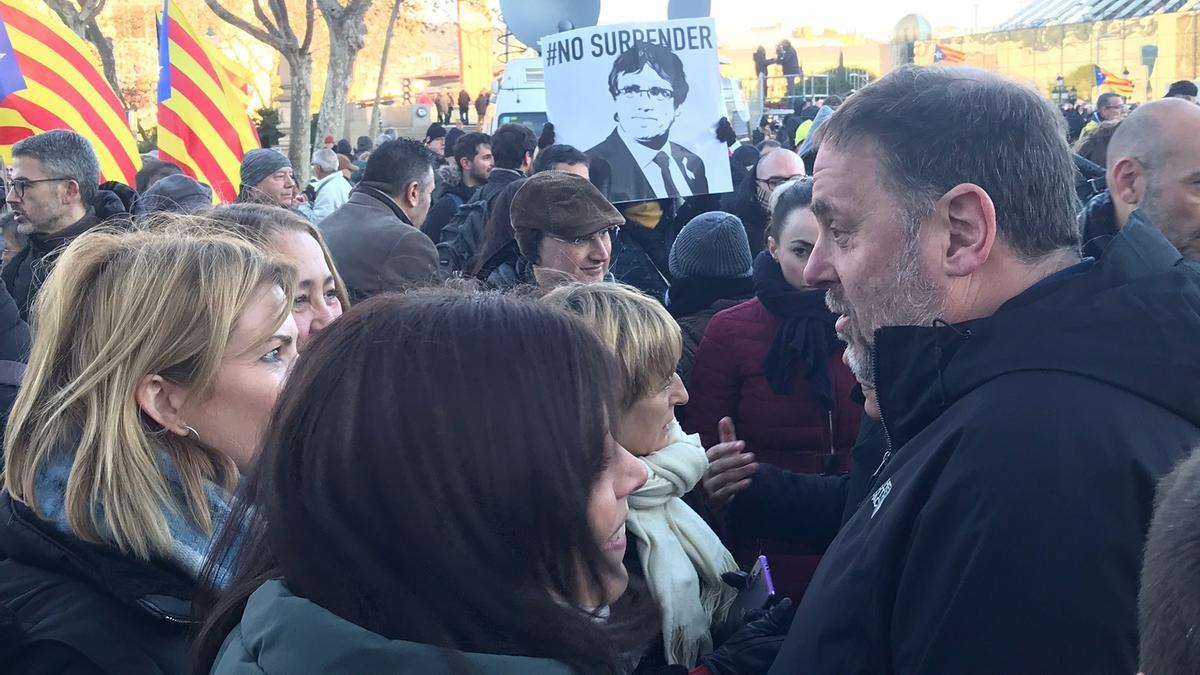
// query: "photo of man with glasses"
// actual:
[[648, 86]]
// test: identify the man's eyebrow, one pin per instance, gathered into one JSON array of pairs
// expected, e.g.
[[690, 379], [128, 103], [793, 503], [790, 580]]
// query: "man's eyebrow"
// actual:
[[822, 209]]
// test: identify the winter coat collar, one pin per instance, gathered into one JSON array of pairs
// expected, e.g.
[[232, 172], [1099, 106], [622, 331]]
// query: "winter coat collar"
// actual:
[[369, 195], [1130, 321], [283, 633], [162, 591]]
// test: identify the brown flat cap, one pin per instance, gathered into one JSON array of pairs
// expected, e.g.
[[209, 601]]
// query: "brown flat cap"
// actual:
[[562, 204]]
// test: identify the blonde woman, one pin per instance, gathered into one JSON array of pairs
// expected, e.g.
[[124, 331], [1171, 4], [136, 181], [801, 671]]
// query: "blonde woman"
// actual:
[[680, 556], [320, 293], [158, 357]]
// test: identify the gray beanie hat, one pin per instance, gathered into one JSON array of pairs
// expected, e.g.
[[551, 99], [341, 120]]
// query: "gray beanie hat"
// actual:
[[713, 245], [178, 193], [260, 163]]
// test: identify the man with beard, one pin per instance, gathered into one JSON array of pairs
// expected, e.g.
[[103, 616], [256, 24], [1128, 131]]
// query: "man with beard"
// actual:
[[1154, 168], [1030, 400], [473, 155], [751, 201]]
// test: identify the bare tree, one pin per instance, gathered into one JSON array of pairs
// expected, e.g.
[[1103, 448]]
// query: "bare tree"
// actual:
[[81, 19], [373, 129], [276, 31], [347, 35]]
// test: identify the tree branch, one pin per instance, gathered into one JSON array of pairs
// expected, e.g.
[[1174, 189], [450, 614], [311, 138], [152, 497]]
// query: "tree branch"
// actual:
[[280, 10], [245, 26], [90, 9], [309, 17], [263, 19]]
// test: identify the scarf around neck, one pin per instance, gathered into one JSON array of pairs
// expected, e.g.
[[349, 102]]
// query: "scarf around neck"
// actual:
[[190, 545], [805, 336], [682, 557]]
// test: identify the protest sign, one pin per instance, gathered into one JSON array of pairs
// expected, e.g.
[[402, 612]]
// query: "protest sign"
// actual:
[[645, 99]]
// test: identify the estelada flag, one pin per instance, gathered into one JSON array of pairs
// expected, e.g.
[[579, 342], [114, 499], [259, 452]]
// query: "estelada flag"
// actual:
[[48, 80], [202, 122], [1119, 85], [947, 55]]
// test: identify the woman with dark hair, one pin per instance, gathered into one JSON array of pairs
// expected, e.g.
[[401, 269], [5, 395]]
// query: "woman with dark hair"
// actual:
[[382, 531], [774, 366]]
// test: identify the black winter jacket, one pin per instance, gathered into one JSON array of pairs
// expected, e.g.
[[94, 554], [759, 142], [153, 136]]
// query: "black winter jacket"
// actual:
[[1005, 533], [14, 353], [27, 271], [67, 606], [1099, 223]]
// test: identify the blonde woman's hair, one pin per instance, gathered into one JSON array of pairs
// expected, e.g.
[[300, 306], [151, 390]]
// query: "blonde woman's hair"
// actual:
[[261, 224], [120, 305], [639, 330]]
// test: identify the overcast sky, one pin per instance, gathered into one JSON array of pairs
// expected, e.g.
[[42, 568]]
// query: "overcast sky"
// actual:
[[874, 18]]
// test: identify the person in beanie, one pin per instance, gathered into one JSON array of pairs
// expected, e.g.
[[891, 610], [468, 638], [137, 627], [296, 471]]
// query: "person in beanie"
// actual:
[[435, 140], [773, 366], [267, 178], [711, 264], [178, 193], [1184, 89], [564, 229]]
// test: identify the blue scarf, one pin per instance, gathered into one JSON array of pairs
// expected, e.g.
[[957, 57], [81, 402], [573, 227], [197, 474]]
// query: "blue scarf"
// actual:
[[190, 547]]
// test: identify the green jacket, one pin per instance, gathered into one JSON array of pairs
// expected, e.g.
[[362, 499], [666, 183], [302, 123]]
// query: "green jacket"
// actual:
[[281, 633]]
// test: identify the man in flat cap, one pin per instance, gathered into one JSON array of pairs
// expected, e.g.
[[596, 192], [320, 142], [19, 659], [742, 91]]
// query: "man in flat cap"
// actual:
[[267, 179], [564, 228]]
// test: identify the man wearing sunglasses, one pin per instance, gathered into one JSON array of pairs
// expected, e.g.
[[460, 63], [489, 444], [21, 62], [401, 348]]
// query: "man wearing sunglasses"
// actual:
[[648, 85], [564, 229]]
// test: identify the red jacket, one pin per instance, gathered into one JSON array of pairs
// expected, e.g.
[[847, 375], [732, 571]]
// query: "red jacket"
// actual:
[[791, 432]]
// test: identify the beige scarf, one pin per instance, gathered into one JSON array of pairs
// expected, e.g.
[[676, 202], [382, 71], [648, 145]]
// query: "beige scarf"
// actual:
[[682, 557]]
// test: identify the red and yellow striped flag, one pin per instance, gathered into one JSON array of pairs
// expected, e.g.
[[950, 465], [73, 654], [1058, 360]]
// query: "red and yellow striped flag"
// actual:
[[202, 122], [48, 80], [943, 54]]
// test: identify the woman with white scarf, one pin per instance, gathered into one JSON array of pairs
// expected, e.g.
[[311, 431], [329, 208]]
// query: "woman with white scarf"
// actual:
[[680, 555]]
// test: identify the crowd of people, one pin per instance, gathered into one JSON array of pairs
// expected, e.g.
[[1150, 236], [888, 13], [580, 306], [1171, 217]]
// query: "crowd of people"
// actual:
[[454, 411]]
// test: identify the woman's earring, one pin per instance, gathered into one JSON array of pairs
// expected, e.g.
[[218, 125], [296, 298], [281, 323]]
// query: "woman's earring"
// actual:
[[192, 432]]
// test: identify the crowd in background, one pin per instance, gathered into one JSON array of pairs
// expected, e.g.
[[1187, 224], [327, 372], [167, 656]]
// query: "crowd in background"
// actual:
[[449, 409]]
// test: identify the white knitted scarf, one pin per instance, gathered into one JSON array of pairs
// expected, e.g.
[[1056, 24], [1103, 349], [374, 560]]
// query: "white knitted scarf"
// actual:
[[682, 557]]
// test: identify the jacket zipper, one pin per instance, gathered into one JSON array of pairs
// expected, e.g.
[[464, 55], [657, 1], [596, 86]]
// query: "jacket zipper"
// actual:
[[831, 450], [160, 613], [887, 435]]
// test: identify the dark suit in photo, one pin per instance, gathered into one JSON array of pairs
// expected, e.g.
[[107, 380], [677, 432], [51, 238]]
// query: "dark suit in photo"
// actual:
[[629, 182]]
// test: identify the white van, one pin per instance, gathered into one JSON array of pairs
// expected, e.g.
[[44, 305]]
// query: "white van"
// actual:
[[518, 97]]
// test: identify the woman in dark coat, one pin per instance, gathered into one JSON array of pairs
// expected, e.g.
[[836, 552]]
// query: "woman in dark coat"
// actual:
[[774, 365]]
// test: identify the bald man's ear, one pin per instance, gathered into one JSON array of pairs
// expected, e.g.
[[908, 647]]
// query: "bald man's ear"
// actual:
[[1127, 183]]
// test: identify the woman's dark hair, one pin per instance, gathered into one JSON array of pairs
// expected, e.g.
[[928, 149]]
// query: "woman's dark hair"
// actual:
[[794, 194], [426, 476], [725, 132], [546, 139]]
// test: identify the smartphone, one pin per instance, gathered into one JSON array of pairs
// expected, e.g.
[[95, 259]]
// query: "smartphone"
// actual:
[[759, 593]]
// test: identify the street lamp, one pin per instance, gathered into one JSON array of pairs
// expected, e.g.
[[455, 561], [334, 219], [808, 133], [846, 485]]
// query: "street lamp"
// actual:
[[1060, 93]]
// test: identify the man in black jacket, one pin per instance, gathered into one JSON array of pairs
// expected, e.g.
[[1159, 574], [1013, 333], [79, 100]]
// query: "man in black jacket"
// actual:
[[473, 156], [1029, 400], [54, 196], [1153, 166], [463, 237]]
